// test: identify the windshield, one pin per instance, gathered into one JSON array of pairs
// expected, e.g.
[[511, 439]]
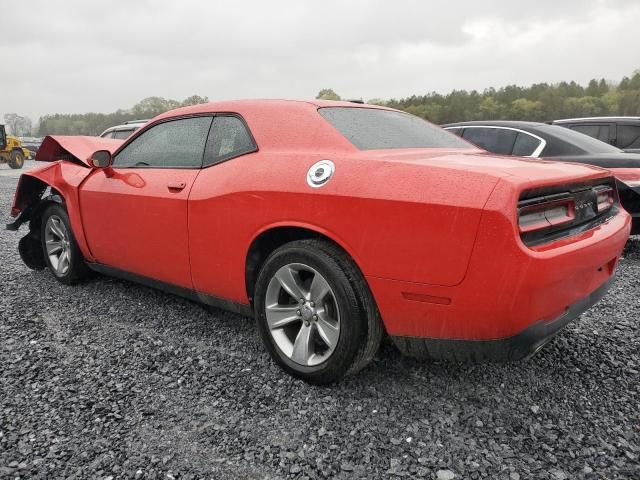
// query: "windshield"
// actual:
[[373, 129], [584, 143]]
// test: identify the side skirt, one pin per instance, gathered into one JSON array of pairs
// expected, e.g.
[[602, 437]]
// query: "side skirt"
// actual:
[[224, 304]]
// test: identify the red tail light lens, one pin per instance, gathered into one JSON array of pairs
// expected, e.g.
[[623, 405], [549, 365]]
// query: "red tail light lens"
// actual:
[[543, 215], [605, 198]]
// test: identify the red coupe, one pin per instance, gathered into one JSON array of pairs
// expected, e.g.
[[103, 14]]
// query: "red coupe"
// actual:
[[333, 224]]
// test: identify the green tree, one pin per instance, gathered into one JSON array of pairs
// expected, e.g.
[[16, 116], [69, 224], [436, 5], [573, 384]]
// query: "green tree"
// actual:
[[489, 109], [523, 109], [327, 94], [194, 100], [152, 106]]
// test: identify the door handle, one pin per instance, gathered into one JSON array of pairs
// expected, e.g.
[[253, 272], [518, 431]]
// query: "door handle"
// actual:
[[176, 185]]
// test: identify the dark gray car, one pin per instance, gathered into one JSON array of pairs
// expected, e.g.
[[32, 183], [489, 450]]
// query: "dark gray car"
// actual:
[[621, 132], [540, 140]]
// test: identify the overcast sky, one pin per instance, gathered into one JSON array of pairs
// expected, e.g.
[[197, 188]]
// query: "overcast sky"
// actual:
[[80, 56]]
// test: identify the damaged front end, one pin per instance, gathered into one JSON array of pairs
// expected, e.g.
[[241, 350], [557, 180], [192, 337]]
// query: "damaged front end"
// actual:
[[55, 182], [28, 205]]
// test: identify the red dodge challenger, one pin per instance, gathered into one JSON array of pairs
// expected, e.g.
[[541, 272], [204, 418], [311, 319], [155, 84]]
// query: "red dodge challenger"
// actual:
[[332, 224]]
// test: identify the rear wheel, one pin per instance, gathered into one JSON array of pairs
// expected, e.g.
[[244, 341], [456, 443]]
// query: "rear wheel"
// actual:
[[315, 313], [16, 160], [62, 255]]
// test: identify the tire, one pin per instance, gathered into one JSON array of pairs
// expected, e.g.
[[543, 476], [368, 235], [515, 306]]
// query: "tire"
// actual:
[[342, 326], [16, 159], [56, 234]]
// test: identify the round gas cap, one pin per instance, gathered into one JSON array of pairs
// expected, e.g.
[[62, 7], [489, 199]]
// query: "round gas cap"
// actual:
[[320, 173]]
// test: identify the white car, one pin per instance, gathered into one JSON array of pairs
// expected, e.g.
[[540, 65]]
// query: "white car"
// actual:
[[123, 131]]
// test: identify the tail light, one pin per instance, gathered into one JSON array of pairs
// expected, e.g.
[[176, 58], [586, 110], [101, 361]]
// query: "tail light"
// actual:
[[547, 214], [605, 198], [551, 213]]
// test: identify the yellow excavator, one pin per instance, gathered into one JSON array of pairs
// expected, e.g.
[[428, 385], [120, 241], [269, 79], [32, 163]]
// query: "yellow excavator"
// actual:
[[11, 150]]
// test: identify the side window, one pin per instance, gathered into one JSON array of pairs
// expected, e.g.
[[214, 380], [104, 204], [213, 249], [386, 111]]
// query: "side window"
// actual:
[[525, 145], [229, 138], [3, 137], [601, 132], [495, 140], [108, 135], [456, 130], [628, 136], [173, 144]]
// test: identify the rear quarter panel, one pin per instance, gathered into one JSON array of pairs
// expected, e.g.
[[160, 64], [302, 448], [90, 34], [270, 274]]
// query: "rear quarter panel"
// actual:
[[396, 220]]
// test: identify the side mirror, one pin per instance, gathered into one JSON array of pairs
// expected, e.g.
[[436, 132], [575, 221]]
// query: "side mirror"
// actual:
[[100, 159]]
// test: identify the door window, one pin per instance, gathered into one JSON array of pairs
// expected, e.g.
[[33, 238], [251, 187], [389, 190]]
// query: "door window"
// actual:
[[495, 140], [628, 136], [229, 138], [173, 144], [525, 145], [601, 132]]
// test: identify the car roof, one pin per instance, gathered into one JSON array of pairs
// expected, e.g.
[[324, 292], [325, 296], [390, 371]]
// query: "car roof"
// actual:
[[596, 119], [125, 126], [281, 124], [497, 123], [260, 104]]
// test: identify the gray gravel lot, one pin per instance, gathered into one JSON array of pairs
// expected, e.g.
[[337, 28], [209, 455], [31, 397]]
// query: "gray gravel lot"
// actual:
[[111, 379]]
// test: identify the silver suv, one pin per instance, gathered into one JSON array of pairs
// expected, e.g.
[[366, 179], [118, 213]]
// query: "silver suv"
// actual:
[[123, 131]]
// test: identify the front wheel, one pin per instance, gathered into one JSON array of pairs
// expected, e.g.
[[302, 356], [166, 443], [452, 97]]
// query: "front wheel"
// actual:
[[315, 313], [61, 252], [16, 160]]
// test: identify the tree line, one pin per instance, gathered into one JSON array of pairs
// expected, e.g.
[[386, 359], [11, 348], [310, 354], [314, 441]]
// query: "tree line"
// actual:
[[539, 102], [96, 123]]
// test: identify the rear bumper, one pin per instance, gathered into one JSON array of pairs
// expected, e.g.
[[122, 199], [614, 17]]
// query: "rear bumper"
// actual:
[[511, 294], [516, 347]]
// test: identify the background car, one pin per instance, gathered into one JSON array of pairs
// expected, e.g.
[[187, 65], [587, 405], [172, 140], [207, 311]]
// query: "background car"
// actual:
[[331, 223], [540, 140], [32, 144], [621, 132], [120, 132]]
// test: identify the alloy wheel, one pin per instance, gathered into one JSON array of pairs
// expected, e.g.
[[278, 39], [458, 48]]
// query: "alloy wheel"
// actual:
[[57, 244], [302, 314]]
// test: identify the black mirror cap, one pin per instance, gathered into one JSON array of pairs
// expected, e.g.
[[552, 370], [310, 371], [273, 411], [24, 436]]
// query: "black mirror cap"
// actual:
[[100, 159]]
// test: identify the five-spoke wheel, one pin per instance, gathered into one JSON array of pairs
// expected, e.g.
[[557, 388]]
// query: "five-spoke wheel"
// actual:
[[302, 314], [57, 245], [314, 311], [61, 252]]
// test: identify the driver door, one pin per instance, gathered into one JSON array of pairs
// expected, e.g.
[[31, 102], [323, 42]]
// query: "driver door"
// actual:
[[135, 214]]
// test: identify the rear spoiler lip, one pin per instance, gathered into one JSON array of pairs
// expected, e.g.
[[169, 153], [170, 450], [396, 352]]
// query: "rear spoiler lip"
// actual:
[[74, 148]]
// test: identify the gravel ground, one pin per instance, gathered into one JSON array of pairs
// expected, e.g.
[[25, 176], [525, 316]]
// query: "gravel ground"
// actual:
[[111, 380]]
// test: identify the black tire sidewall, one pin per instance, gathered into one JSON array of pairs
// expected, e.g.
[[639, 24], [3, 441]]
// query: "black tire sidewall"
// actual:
[[76, 261], [13, 161], [351, 316]]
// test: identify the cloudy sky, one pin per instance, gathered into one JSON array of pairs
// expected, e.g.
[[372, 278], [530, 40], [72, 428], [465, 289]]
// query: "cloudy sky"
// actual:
[[79, 56]]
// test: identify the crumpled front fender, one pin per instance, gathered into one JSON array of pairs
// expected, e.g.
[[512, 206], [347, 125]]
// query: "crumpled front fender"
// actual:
[[63, 178]]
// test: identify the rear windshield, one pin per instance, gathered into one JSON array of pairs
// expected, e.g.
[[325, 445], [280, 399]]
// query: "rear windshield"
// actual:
[[373, 129]]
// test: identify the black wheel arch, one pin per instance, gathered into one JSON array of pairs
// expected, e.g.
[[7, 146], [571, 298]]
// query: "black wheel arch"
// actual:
[[33, 202], [270, 240]]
